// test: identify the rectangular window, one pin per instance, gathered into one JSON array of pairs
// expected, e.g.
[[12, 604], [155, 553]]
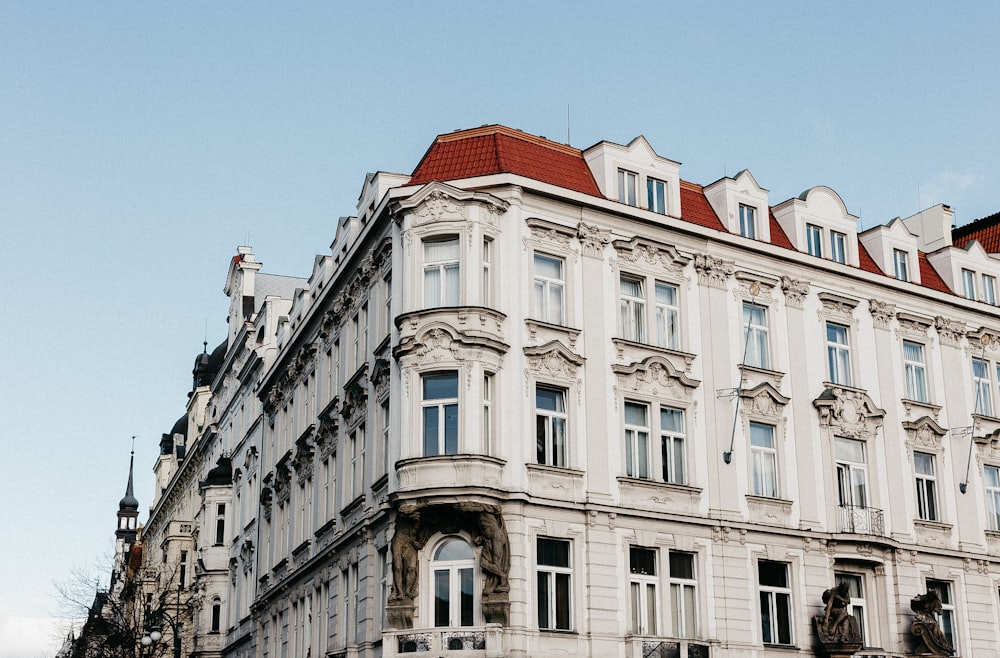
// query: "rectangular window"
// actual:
[[355, 478], [765, 460], [220, 524], [981, 382], [755, 336], [384, 448], [440, 413], [487, 271], [927, 504], [441, 272], [814, 240], [550, 425], [387, 296], [637, 440], [627, 183], [643, 584], [385, 577], [914, 371], [683, 595], [838, 354], [672, 454], [667, 316], [990, 289], [554, 584], [838, 246], [991, 477], [775, 602], [182, 569], [633, 309], [488, 413], [968, 284], [946, 618], [656, 195], [900, 266], [856, 607], [549, 288], [852, 481], [748, 222]]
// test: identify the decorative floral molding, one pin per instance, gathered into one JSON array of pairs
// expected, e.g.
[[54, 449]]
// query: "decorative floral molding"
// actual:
[[849, 412], [795, 291], [713, 272]]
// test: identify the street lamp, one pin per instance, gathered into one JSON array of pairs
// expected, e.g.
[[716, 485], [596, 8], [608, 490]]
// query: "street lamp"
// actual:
[[153, 633]]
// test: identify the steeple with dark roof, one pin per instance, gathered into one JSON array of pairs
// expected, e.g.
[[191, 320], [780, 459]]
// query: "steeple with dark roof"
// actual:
[[128, 508]]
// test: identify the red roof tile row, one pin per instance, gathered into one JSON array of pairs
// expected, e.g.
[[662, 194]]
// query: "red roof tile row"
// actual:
[[986, 230]]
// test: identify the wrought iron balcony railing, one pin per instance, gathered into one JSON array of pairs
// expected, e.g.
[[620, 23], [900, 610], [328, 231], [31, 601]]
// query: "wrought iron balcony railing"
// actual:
[[862, 520]]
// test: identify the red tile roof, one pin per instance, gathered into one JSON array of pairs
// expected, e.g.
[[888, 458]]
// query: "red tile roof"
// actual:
[[696, 209], [986, 230], [498, 149], [929, 278], [866, 262], [778, 235]]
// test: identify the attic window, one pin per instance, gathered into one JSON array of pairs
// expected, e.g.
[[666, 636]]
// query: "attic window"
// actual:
[[627, 183], [968, 284], [900, 265], [656, 193], [748, 222]]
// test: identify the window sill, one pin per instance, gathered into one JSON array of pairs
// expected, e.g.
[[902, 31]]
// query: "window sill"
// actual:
[[547, 329], [557, 631], [680, 360], [922, 408], [660, 496], [769, 511]]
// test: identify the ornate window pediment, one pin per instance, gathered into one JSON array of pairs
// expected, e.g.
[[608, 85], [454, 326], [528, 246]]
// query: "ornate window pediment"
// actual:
[[440, 202], [553, 360], [849, 412], [651, 255], [656, 376], [437, 341], [763, 400], [837, 307], [914, 326], [924, 433], [549, 234]]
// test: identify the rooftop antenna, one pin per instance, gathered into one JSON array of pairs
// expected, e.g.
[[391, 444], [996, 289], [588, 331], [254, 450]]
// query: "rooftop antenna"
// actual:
[[133, 444], [568, 142]]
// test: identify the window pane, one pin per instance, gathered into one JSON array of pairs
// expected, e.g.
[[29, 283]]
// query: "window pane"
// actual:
[[441, 603], [544, 596], [635, 414], [454, 549], [465, 582], [559, 441], [761, 435], [451, 429], [642, 561], [553, 552], [548, 267], [441, 386], [549, 399], [681, 565], [430, 431], [772, 574], [562, 601]]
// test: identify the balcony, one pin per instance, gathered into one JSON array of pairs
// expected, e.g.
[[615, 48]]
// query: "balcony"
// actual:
[[861, 520], [650, 647], [466, 642]]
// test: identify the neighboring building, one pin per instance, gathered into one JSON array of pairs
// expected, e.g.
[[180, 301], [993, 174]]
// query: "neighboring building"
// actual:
[[542, 401]]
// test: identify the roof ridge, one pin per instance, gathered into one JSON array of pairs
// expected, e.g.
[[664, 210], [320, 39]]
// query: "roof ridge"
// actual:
[[514, 133]]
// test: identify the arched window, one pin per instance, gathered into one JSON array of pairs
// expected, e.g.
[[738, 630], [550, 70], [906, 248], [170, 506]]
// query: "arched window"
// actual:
[[216, 615], [453, 569]]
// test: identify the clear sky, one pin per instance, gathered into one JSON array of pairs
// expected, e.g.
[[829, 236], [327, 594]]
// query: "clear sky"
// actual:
[[140, 144]]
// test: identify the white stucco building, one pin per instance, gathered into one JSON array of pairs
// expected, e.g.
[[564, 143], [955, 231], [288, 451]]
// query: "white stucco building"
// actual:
[[538, 401]]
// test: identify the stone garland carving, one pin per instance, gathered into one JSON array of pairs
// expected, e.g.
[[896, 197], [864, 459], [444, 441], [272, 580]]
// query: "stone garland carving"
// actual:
[[592, 239], [553, 360], [303, 460], [838, 631], [656, 376], [438, 206], [763, 400], [950, 331], [647, 253], [546, 234], [924, 433], [795, 291], [849, 413], [412, 530], [930, 639], [713, 272], [882, 312]]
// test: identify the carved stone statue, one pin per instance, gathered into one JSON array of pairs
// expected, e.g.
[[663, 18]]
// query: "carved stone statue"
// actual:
[[931, 639], [838, 630]]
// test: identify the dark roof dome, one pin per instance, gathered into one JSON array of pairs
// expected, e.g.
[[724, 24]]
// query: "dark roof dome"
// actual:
[[181, 426], [222, 473], [207, 366]]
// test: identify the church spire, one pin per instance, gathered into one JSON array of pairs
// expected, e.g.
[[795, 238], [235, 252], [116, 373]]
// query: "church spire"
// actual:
[[128, 507]]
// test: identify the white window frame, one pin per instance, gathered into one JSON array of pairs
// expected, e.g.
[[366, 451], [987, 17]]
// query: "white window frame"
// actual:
[[925, 476], [748, 221], [644, 593], [765, 481], [488, 385], [838, 247], [814, 240], [550, 574], [487, 287], [852, 475], [545, 288], [968, 284], [656, 195], [548, 421], [991, 491], [441, 406], [668, 316], [915, 371], [946, 618], [756, 337], [982, 387], [838, 355], [628, 187], [387, 307], [684, 622], [858, 605], [453, 570], [632, 309], [670, 470], [448, 291], [637, 457], [775, 598], [901, 264], [990, 289]]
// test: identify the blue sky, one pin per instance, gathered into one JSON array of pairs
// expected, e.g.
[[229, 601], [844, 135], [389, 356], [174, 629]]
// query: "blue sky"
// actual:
[[139, 145]]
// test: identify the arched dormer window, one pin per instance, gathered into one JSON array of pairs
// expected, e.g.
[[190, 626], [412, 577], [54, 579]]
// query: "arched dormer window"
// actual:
[[453, 573]]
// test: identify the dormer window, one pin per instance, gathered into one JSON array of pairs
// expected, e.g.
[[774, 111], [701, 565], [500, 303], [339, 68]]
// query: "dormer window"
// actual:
[[627, 182], [814, 240], [748, 222], [900, 265], [838, 247], [656, 194], [968, 284]]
